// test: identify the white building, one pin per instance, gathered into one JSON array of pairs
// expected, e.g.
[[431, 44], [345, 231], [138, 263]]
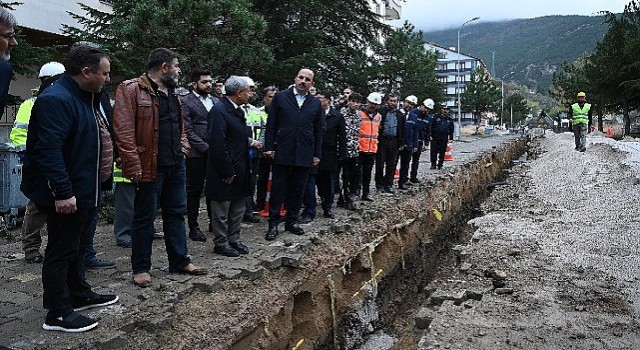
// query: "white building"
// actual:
[[454, 77], [389, 9]]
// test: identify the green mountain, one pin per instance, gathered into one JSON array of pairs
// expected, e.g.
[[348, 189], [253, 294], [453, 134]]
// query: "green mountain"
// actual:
[[527, 51]]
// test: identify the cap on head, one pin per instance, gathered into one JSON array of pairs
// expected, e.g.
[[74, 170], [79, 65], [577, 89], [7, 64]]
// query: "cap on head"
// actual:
[[50, 69], [375, 97], [412, 99], [428, 103], [582, 94]]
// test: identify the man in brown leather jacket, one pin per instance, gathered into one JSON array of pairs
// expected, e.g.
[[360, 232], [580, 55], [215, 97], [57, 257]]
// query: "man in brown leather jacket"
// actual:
[[152, 143]]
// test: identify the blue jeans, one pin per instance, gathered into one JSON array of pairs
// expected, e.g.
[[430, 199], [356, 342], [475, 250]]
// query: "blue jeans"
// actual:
[[124, 197], [309, 198], [86, 245], [169, 192]]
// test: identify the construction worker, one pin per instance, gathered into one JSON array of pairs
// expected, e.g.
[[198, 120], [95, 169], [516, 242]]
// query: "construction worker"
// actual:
[[33, 219], [368, 140], [580, 116]]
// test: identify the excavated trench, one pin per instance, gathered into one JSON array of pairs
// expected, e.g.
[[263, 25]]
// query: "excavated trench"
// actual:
[[374, 293]]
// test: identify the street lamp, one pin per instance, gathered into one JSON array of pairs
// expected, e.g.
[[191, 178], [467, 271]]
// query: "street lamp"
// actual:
[[459, 129]]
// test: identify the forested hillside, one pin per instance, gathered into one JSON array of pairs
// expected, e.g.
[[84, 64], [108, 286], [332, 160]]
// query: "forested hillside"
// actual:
[[527, 51]]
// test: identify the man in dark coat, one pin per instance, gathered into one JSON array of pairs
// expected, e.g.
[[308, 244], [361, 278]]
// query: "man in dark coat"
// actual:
[[389, 143], [294, 140], [334, 148], [195, 109], [228, 172], [441, 134], [7, 42], [66, 125]]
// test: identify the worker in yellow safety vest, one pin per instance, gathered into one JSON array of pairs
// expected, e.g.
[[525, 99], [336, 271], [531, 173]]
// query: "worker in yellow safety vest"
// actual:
[[580, 116]]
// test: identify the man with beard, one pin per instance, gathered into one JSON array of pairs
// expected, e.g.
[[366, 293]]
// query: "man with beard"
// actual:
[[152, 143], [293, 140], [7, 42], [195, 109]]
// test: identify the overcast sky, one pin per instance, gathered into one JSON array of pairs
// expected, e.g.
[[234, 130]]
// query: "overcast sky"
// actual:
[[431, 15]]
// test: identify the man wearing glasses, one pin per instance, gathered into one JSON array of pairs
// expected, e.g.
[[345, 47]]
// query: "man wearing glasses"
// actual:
[[7, 42], [293, 140]]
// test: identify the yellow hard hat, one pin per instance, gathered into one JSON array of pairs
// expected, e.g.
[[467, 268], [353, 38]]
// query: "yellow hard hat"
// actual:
[[582, 94]]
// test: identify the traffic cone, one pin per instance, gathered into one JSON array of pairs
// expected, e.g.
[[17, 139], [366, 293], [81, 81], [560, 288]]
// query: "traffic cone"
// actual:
[[396, 174], [609, 132], [265, 211], [448, 154]]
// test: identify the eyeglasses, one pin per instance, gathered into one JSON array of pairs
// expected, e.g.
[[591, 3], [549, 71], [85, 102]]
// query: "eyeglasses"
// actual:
[[9, 36]]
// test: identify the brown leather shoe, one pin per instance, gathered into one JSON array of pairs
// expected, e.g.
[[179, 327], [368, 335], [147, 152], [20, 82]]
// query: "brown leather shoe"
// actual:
[[142, 279], [192, 269]]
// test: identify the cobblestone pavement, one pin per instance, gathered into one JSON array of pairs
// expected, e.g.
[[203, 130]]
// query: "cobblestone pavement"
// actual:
[[22, 315]]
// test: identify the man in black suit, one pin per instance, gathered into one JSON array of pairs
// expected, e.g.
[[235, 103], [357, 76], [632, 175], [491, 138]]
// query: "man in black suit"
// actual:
[[229, 171], [294, 140], [195, 108]]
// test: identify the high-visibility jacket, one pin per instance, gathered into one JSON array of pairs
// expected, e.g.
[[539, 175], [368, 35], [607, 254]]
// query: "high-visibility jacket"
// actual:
[[117, 175], [369, 127], [18, 134], [256, 120], [580, 115]]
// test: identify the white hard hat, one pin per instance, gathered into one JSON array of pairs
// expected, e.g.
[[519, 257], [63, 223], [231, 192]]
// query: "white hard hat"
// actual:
[[429, 103], [412, 99], [375, 97], [50, 69]]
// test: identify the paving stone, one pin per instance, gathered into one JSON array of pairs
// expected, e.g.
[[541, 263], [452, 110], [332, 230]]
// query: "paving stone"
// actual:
[[207, 284]]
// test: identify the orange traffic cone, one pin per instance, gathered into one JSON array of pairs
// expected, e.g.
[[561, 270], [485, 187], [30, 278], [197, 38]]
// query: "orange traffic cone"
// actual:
[[448, 154], [396, 174], [609, 132], [265, 211]]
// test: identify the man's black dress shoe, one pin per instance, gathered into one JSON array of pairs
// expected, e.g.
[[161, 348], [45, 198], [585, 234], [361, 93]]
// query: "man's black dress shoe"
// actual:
[[196, 235], [402, 187], [272, 233], [294, 228], [329, 214], [226, 250], [241, 248], [366, 197]]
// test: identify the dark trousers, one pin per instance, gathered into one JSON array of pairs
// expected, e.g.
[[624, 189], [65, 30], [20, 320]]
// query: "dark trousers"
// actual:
[[350, 176], [309, 197], [124, 197], [438, 149], [264, 167], [326, 188], [253, 177], [386, 160], [366, 165], [287, 187], [63, 267], [168, 192], [415, 161], [87, 244], [405, 160], [196, 175]]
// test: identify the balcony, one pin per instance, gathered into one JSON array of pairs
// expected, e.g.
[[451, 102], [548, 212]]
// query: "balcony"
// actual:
[[393, 10]]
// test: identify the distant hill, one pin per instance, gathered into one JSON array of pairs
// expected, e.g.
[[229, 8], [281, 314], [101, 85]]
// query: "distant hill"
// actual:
[[527, 51]]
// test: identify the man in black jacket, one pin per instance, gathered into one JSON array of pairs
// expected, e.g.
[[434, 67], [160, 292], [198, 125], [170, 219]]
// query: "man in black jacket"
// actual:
[[228, 172], [195, 108], [441, 134], [294, 140], [65, 125], [389, 143], [7, 42], [334, 149]]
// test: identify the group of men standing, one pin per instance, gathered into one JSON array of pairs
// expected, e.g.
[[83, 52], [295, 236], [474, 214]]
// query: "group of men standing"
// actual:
[[171, 148]]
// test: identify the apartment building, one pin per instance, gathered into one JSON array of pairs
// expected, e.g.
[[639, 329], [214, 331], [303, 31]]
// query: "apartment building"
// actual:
[[454, 71]]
